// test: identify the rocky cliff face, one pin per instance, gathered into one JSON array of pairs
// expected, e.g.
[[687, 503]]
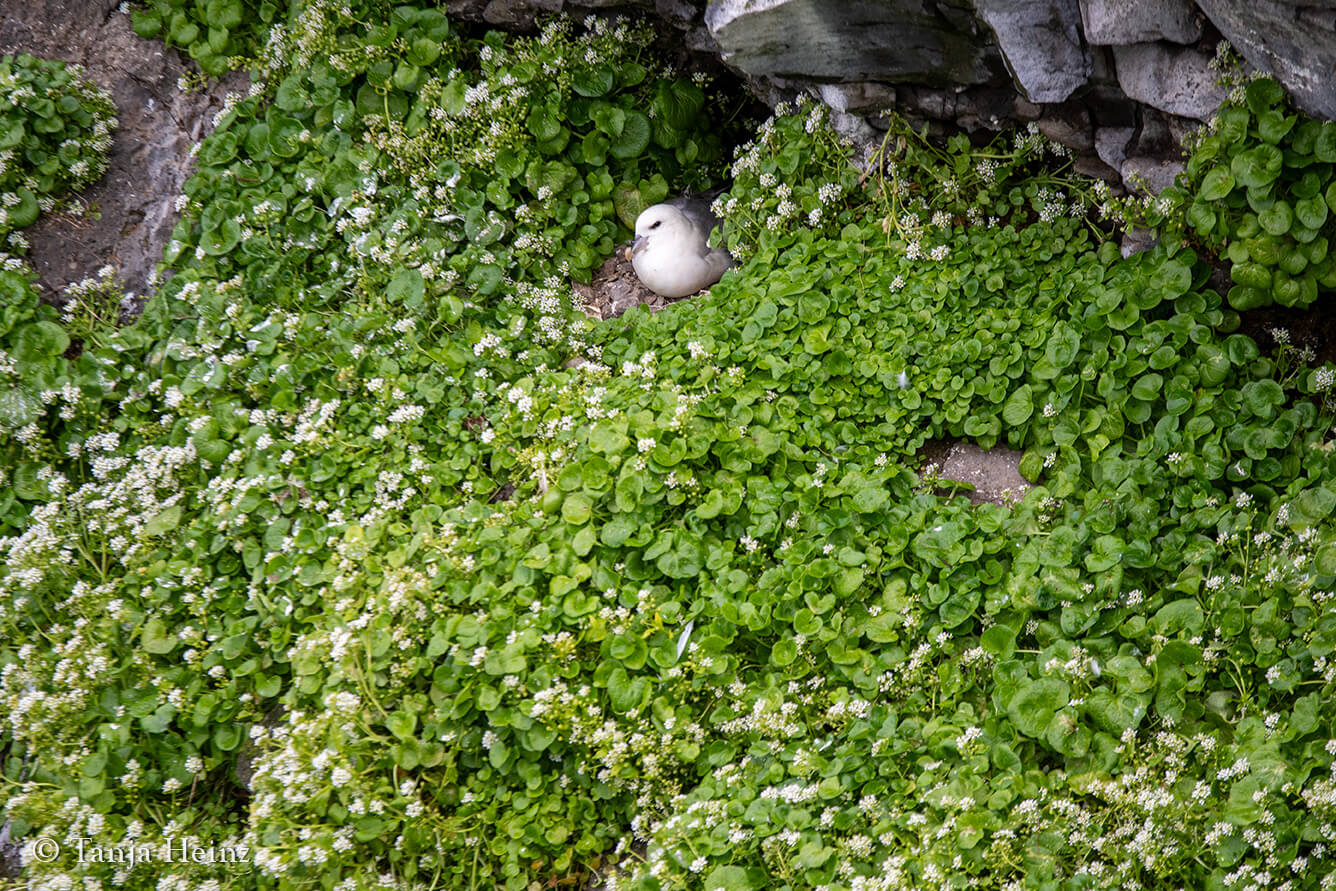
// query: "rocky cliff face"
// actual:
[[1293, 41], [150, 154], [1119, 81]]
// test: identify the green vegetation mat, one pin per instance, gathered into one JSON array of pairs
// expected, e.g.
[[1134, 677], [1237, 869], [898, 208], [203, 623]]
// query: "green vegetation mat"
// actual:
[[336, 565]]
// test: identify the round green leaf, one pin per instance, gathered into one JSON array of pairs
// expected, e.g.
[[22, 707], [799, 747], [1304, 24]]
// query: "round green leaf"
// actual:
[[155, 639], [1312, 212], [1277, 218], [36, 341], [634, 137], [593, 82], [1258, 166], [1324, 147], [1019, 406], [25, 212], [1326, 559], [1034, 704], [728, 878], [406, 287], [1262, 94], [577, 509], [1217, 184], [1000, 640]]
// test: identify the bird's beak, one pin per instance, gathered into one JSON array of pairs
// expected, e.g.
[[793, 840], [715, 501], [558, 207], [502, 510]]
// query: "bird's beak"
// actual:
[[638, 245]]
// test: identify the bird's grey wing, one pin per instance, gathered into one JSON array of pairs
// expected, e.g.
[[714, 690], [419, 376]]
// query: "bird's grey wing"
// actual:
[[718, 261], [697, 209]]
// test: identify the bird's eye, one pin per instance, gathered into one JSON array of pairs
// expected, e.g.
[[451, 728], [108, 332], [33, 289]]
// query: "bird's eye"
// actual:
[[657, 223]]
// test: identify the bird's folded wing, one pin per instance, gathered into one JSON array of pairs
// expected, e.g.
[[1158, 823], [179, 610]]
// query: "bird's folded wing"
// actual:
[[719, 262], [697, 210]]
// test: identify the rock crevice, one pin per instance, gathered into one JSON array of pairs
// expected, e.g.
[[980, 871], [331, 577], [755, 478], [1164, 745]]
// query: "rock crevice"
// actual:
[[1088, 71]]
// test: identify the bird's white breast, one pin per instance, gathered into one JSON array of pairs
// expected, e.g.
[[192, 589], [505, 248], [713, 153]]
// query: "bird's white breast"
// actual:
[[671, 272]]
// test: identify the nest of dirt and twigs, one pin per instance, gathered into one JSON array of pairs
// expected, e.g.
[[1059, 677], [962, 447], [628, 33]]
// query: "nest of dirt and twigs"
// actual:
[[615, 289]]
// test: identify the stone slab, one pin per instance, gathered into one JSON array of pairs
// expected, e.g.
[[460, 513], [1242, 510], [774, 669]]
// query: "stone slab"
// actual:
[[1293, 40], [1140, 21], [845, 41], [1171, 78], [1042, 44]]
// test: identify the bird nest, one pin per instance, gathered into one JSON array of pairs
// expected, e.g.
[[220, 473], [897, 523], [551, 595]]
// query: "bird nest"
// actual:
[[615, 288]]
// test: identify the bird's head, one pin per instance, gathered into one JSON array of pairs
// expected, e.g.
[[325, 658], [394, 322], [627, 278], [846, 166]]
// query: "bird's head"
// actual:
[[662, 221]]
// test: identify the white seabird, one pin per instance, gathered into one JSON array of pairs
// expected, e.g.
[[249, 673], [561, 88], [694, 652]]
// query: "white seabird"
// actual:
[[671, 254]]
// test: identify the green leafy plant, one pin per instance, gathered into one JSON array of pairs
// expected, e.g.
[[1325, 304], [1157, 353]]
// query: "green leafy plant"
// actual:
[[218, 34], [363, 548], [1259, 189], [91, 309], [55, 129]]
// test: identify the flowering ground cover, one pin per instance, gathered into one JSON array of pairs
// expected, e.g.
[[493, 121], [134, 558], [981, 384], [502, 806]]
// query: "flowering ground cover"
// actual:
[[337, 557]]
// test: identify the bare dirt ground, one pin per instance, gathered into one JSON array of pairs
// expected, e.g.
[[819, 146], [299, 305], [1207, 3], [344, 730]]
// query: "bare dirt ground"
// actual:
[[150, 154], [615, 289], [994, 473]]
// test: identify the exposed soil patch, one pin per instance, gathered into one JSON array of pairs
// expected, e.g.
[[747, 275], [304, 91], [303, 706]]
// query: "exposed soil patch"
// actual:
[[616, 288], [1313, 327], [933, 451], [994, 473], [150, 154]]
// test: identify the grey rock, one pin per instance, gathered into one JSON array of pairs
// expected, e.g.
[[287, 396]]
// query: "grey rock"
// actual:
[[1293, 40], [679, 12], [1323, 19], [519, 13], [1136, 240], [1042, 45], [1140, 21], [857, 98], [849, 41], [939, 104], [995, 473], [1111, 144], [1094, 168], [1026, 110], [852, 127], [698, 39], [1149, 175], [1173, 79], [11, 855], [1154, 136], [1181, 128]]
